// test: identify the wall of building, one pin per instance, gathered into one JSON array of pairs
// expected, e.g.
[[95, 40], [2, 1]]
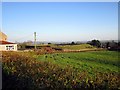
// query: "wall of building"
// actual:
[[3, 37], [8, 47], [2, 47]]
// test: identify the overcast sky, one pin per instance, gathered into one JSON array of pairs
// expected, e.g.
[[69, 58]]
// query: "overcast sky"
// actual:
[[79, 21]]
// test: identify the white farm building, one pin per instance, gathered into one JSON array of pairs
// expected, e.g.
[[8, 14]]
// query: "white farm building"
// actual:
[[5, 45]]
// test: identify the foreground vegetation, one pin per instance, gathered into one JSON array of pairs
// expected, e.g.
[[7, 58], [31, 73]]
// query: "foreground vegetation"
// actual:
[[91, 70], [95, 61]]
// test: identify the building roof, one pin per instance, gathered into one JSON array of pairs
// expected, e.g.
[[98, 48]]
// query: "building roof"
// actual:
[[6, 42]]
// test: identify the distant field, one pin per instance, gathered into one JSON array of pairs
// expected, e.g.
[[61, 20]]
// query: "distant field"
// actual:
[[74, 47], [97, 61]]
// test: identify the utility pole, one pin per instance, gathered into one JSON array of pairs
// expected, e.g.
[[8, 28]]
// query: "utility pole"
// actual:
[[35, 40]]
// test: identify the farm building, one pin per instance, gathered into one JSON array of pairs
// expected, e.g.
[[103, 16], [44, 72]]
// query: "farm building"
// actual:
[[5, 45], [3, 37]]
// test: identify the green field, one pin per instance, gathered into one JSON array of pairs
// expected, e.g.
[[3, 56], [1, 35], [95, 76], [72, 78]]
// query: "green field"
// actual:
[[74, 47], [97, 61], [93, 70]]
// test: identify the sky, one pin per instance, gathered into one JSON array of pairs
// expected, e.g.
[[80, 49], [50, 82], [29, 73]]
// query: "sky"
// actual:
[[60, 21]]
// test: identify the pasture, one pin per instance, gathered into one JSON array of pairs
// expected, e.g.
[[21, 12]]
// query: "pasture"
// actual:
[[86, 70], [74, 47], [92, 62]]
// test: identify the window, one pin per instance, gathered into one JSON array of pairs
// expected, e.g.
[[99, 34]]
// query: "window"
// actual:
[[10, 47]]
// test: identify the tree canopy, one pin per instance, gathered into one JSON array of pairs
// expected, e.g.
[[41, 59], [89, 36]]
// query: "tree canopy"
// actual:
[[96, 43]]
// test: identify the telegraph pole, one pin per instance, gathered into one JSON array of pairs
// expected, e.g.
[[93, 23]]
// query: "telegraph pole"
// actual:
[[35, 40]]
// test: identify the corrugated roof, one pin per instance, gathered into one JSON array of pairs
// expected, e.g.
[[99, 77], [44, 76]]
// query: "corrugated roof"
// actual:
[[6, 42]]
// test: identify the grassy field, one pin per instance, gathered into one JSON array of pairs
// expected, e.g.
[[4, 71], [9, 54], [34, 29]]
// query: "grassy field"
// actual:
[[86, 70], [71, 47], [97, 61], [74, 47]]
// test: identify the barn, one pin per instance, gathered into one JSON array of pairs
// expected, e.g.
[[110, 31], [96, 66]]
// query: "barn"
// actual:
[[5, 45]]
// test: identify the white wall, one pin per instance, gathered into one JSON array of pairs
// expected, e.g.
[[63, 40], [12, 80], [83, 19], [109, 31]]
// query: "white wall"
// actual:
[[4, 47]]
